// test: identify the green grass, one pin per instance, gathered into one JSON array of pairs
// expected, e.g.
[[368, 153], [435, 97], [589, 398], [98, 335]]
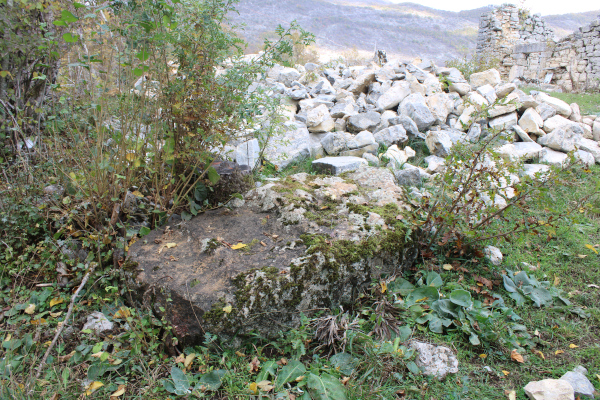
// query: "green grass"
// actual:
[[563, 259], [589, 103]]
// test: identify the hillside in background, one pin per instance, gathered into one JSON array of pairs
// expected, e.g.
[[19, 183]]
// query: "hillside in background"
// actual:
[[405, 29]]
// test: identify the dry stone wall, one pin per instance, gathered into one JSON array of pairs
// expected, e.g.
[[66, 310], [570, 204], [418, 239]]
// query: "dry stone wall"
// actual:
[[527, 49]]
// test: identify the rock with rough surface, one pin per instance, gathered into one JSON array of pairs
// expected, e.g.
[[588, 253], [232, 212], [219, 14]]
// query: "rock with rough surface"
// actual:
[[363, 121], [489, 77], [437, 361], [581, 385], [566, 138], [98, 323], [552, 157], [415, 107], [393, 135], [560, 106], [549, 389], [530, 121], [392, 97], [439, 143], [320, 253], [504, 121], [248, 153], [493, 254], [338, 165]]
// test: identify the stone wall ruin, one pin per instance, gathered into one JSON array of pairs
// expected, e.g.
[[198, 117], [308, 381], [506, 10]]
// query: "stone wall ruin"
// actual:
[[528, 50]]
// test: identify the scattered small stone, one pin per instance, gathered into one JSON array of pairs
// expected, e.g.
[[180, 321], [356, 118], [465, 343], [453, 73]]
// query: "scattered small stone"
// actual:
[[98, 322], [437, 361], [494, 255], [550, 389]]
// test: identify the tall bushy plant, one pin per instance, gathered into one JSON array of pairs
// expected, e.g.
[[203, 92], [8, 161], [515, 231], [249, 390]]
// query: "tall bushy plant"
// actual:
[[167, 88]]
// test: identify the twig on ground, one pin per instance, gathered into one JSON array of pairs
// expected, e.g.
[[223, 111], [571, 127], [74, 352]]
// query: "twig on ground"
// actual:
[[62, 326]]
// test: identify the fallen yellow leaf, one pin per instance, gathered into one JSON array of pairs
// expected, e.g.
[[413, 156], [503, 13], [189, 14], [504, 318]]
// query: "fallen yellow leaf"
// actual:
[[383, 287], [506, 373], [556, 280], [93, 387], [238, 246], [38, 321], [136, 193], [557, 352], [180, 358], [589, 246], [540, 354], [448, 267], [581, 256], [171, 245], [123, 313], [189, 359], [227, 308], [30, 309], [130, 157], [98, 354], [515, 356], [483, 356], [598, 376], [253, 388], [56, 314], [56, 301], [573, 346], [240, 354], [120, 391], [512, 395]]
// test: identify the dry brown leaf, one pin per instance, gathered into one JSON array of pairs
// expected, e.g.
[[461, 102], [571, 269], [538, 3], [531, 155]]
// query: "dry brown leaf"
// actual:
[[540, 354], [180, 358], [345, 380], [66, 357], [447, 267], [556, 280], [240, 354], [56, 314], [486, 282], [55, 396], [263, 244], [254, 364], [120, 391], [265, 386], [189, 359], [515, 356], [283, 361], [383, 286], [123, 313], [171, 245]]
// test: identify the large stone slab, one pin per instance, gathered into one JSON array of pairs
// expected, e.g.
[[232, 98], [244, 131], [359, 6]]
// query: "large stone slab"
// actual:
[[549, 389], [289, 247], [338, 165]]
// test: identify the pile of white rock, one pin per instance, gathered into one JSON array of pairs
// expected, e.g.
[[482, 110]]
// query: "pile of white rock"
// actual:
[[341, 115]]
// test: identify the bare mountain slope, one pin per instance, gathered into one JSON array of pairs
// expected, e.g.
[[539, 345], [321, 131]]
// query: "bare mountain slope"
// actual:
[[405, 29]]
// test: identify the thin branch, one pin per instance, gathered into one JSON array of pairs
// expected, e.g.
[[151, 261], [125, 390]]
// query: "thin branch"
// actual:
[[62, 326]]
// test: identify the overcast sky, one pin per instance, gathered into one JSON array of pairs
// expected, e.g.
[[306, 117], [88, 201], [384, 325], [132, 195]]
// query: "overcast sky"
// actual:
[[543, 7]]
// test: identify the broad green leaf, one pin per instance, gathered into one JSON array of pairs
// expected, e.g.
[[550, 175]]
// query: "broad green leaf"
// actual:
[[474, 339], [138, 71], [289, 373], [180, 381], [213, 175], [425, 294], [435, 324], [267, 370], [445, 308], [401, 286], [68, 17], [343, 362], [142, 55], [70, 38], [144, 231], [78, 5], [404, 333], [325, 387], [212, 380], [412, 367], [434, 279], [509, 285], [461, 297]]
